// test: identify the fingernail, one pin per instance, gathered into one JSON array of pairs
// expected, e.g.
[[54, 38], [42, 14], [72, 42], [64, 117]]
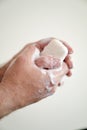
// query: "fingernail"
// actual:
[[71, 51], [69, 73]]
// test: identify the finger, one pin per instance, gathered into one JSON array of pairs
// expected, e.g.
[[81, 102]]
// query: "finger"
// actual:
[[42, 43], [69, 73], [61, 81], [69, 62], [60, 84], [70, 50], [56, 75], [64, 70], [48, 62]]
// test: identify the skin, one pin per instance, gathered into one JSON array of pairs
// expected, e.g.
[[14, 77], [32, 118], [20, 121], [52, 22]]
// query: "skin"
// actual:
[[24, 81], [40, 45]]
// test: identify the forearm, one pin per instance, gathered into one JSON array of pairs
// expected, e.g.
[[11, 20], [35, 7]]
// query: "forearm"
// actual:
[[7, 103]]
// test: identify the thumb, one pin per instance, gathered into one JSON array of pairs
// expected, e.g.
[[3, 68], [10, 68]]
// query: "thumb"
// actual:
[[48, 62]]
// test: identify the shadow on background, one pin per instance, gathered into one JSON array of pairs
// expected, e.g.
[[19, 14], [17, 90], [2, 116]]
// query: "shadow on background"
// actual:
[[82, 129]]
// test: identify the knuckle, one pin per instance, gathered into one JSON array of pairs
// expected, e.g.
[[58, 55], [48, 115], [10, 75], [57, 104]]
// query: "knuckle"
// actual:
[[52, 91], [21, 59], [30, 46]]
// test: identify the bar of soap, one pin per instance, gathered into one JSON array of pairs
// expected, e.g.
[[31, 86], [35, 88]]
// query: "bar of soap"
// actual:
[[55, 48]]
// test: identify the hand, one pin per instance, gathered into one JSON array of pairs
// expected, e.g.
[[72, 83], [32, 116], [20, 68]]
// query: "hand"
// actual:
[[23, 82], [26, 82], [51, 62], [41, 44]]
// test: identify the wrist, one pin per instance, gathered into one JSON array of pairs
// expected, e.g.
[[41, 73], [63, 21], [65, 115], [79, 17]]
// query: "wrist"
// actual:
[[7, 100]]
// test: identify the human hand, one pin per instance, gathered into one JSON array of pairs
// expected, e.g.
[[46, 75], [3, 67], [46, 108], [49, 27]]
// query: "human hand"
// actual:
[[41, 44], [50, 62], [24, 82]]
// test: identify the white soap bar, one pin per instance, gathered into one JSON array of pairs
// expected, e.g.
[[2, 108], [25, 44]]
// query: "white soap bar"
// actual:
[[55, 48]]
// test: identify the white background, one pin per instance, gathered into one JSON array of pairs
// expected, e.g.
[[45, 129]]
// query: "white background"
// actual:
[[23, 21]]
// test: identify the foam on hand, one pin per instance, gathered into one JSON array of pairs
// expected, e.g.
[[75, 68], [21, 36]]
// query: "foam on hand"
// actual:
[[55, 48], [36, 54]]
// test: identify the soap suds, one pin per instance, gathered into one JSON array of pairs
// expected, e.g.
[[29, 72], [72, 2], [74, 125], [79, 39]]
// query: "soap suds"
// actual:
[[51, 74], [62, 80], [36, 54], [52, 77]]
